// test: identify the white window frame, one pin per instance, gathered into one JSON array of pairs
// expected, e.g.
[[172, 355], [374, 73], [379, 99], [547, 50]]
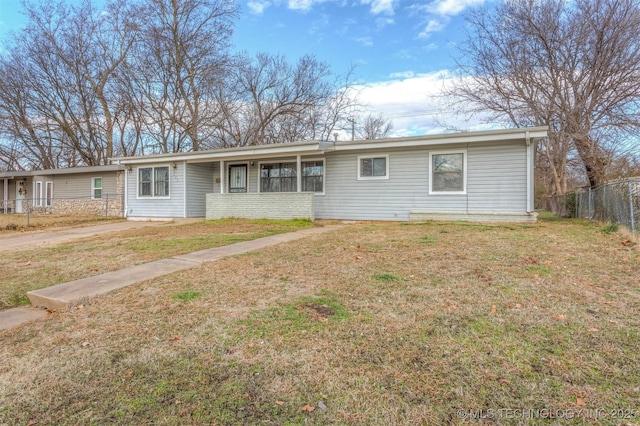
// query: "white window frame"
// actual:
[[261, 163], [47, 192], [94, 187], [372, 156], [153, 183], [324, 172], [37, 193], [464, 172]]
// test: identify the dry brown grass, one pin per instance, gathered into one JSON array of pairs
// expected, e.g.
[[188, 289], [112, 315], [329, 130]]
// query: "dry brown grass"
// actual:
[[17, 223], [26, 269], [371, 324]]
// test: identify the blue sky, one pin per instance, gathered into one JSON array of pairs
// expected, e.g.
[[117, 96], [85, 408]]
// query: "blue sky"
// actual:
[[402, 49]]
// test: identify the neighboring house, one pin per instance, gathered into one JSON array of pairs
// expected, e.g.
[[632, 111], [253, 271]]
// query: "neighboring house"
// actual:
[[77, 190], [484, 176]]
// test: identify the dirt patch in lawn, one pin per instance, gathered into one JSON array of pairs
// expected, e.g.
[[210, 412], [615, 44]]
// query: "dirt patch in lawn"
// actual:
[[375, 324]]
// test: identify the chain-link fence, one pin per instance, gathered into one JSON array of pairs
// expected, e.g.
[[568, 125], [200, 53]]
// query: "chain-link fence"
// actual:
[[615, 202], [109, 205]]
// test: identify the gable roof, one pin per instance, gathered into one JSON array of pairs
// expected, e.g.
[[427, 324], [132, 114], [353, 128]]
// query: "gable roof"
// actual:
[[319, 147]]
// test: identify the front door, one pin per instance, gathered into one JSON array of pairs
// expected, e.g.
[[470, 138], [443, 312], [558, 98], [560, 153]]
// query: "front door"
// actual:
[[21, 193], [238, 178]]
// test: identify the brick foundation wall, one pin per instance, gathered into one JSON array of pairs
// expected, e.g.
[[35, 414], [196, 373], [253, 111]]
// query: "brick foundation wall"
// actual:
[[271, 205]]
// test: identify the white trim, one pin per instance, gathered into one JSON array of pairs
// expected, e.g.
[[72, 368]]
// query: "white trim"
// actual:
[[324, 172], [372, 156], [298, 173], [185, 196], [93, 187], [313, 147], [37, 193], [153, 183], [48, 202], [276, 161], [464, 171]]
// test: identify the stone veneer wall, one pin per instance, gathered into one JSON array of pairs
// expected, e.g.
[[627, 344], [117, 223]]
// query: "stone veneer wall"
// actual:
[[107, 206], [266, 205]]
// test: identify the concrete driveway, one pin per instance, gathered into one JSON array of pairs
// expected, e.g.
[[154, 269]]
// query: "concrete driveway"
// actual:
[[15, 241]]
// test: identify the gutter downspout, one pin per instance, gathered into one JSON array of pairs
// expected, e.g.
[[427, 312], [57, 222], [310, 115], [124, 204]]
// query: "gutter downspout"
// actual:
[[126, 190]]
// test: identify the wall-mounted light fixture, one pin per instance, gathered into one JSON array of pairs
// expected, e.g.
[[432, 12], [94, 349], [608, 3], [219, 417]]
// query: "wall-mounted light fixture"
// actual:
[[129, 168], [173, 165], [252, 163]]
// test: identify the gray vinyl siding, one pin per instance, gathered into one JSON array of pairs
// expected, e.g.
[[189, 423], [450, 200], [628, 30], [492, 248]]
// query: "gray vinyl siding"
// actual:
[[497, 178], [199, 182], [346, 197], [174, 206], [79, 185], [496, 182]]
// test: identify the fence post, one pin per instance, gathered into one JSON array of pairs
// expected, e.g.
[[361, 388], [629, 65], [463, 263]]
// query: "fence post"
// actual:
[[633, 225], [28, 213]]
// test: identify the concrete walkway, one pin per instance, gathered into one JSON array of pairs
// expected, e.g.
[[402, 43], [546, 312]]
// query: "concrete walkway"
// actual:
[[16, 241], [70, 293]]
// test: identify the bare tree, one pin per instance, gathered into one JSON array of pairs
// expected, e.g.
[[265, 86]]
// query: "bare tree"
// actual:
[[375, 127], [271, 100], [182, 59], [572, 66], [60, 71]]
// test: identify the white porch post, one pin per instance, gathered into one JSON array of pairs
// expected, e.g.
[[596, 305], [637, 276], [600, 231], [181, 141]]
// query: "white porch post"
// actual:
[[222, 176], [6, 195], [299, 173]]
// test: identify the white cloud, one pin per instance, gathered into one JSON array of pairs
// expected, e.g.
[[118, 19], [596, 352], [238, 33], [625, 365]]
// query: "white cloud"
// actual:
[[414, 103], [433, 26], [365, 41], [303, 5], [257, 7], [380, 6], [451, 7]]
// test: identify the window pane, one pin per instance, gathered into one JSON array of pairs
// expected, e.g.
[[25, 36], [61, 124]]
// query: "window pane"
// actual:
[[97, 188], [278, 177], [144, 178], [161, 179], [366, 167], [448, 173], [312, 172], [379, 166]]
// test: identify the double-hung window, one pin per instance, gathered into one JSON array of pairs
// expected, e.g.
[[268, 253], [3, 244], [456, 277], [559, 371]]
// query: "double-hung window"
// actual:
[[373, 167], [153, 182], [313, 176], [448, 172], [278, 177], [96, 188]]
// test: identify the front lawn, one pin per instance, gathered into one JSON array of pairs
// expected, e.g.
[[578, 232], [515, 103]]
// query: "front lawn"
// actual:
[[370, 324]]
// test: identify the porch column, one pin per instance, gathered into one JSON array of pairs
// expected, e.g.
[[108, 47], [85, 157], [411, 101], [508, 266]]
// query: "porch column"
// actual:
[[222, 173], [299, 173], [6, 196]]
